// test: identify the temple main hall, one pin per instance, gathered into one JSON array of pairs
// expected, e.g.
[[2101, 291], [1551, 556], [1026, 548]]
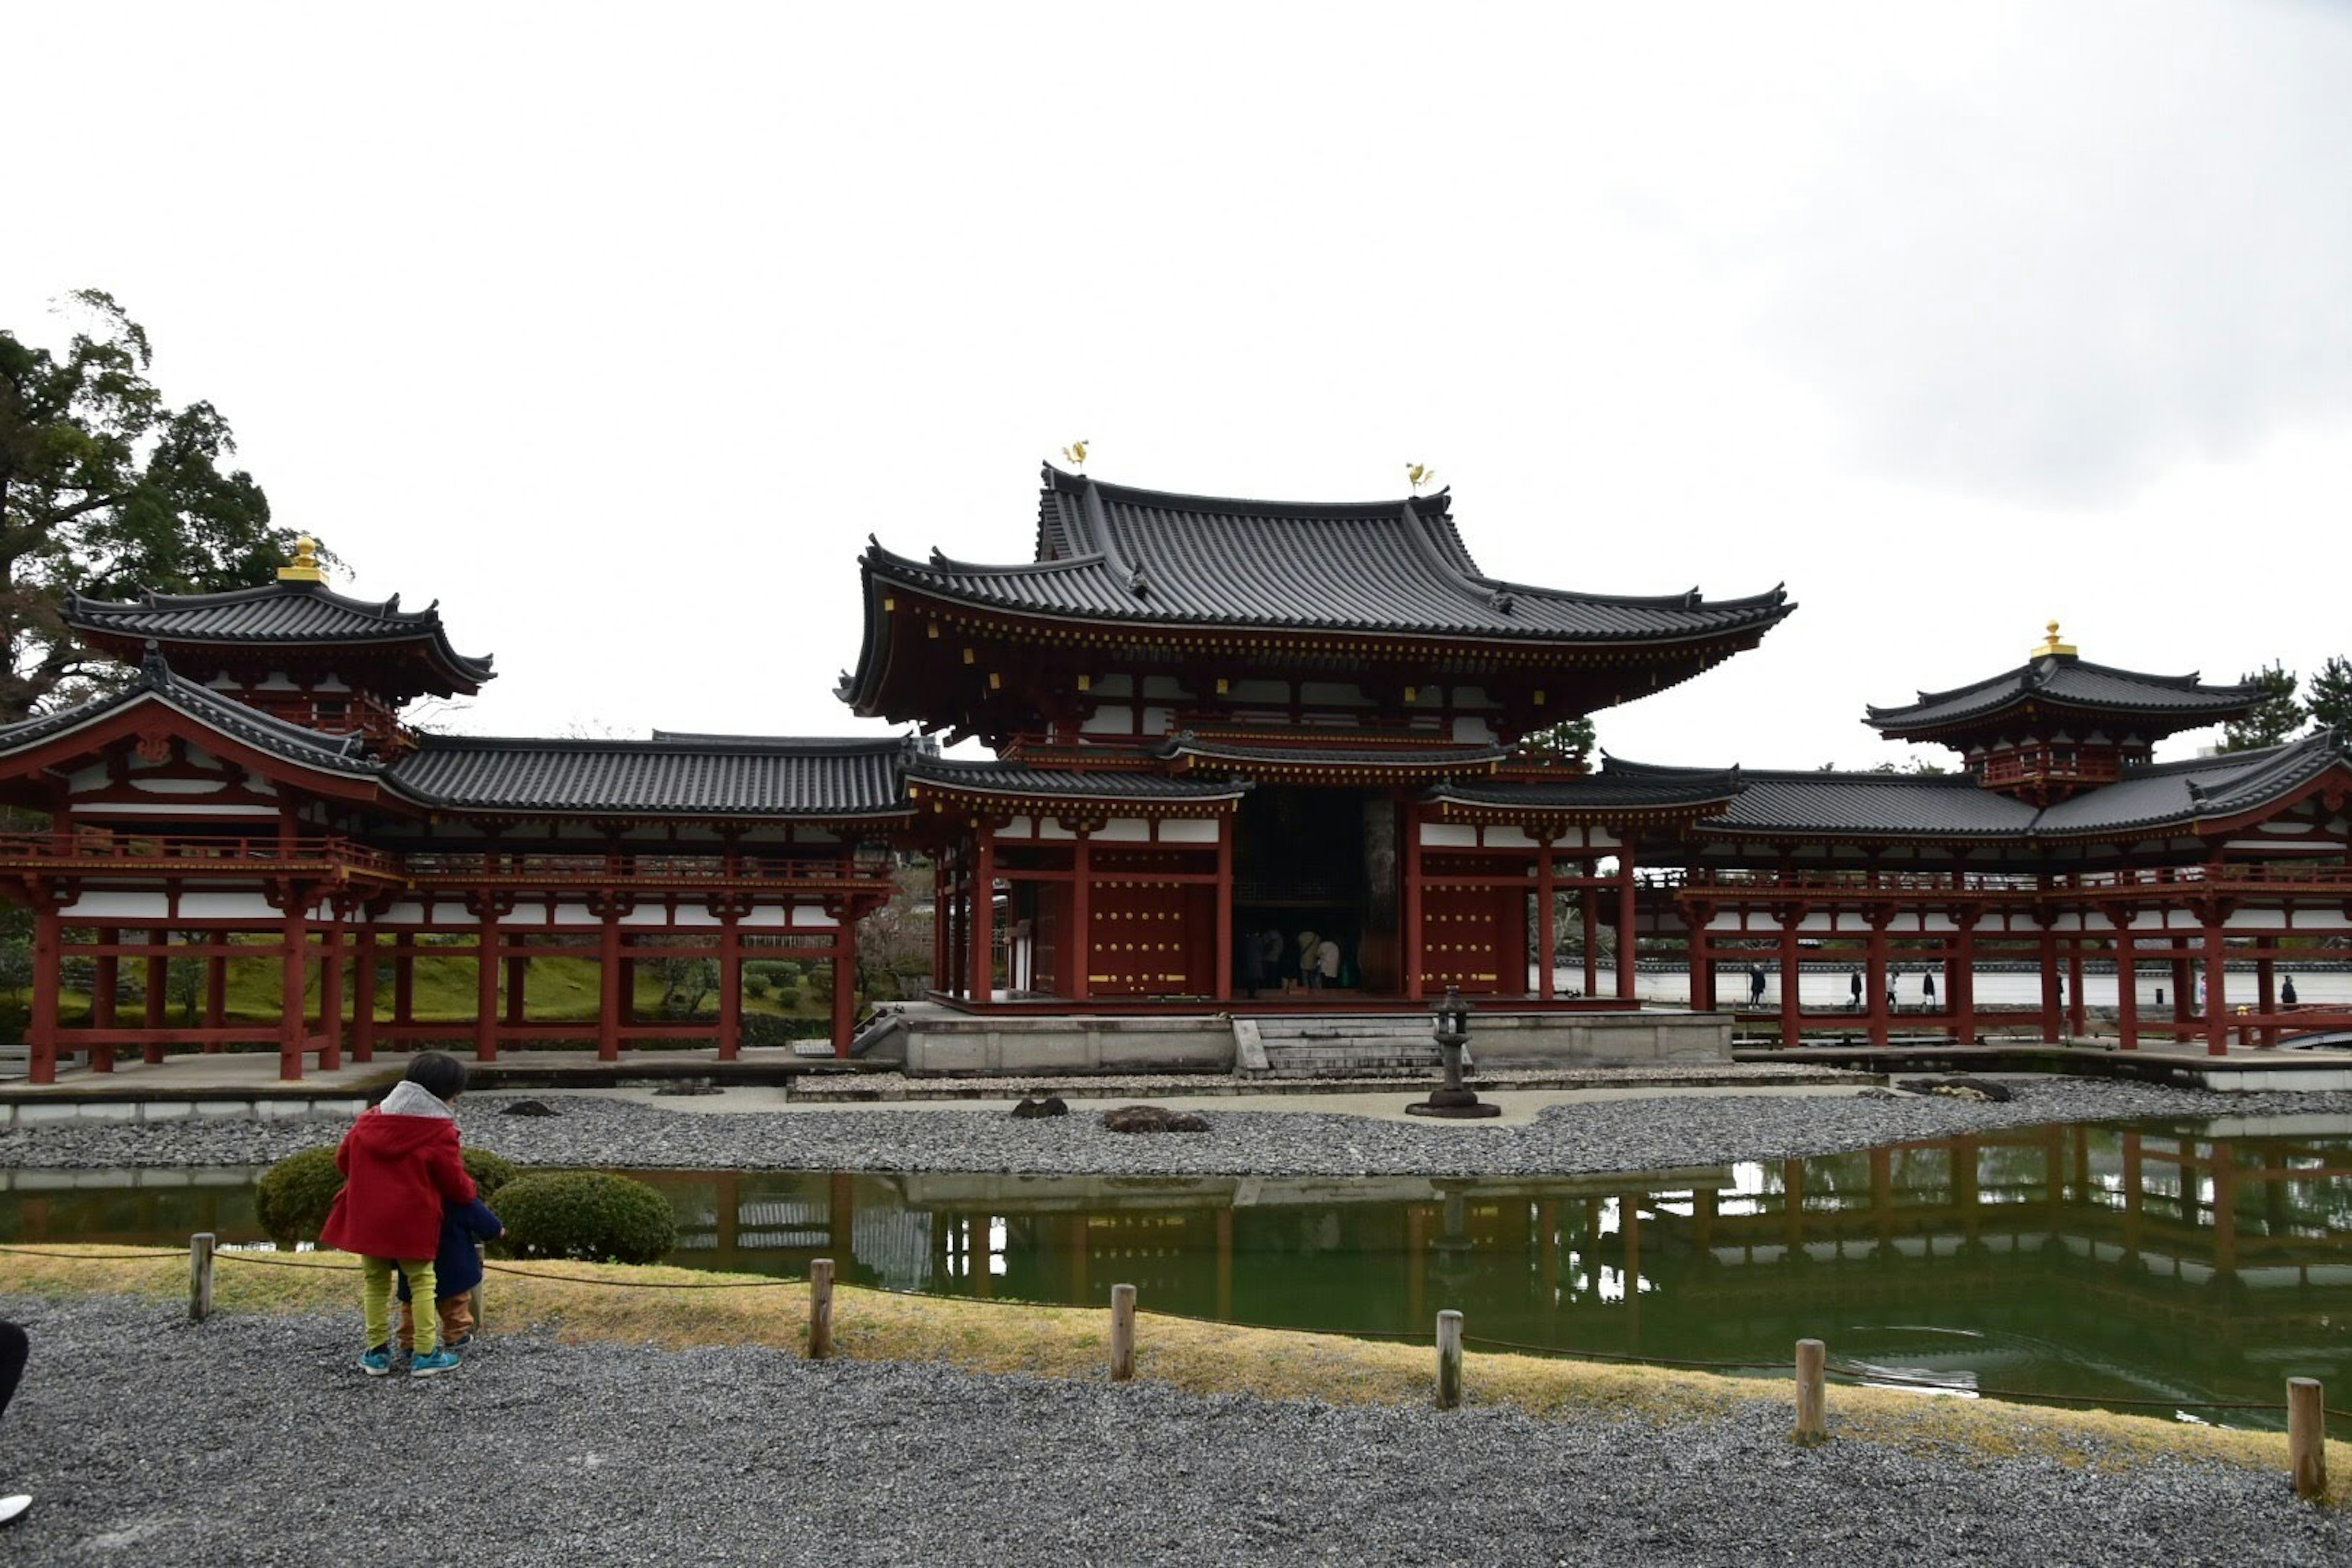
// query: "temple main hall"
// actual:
[[1247, 760]]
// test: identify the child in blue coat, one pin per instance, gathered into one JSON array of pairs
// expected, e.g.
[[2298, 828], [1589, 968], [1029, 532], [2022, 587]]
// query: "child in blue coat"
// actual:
[[457, 1269]]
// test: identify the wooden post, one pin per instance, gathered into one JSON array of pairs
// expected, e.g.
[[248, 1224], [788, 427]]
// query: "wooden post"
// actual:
[[1449, 1360], [107, 980], [363, 994], [983, 919], [2266, 997], [844, 986], [294, 988], [1412, 945], [200, 1277], [330, 996], [1222, 989], [486, 984], [1588, 897], [2126, 990], [2078, 1009], [731, 987], [1875, 980], [41, 1032], [1547, 926], [2306, 1437], [820, 1336], [1792, 975], [2052, 1010], [2217, 987], [1079, 987], [1629, 932], [1122, 1334], [613, 1005], [1960, 983], [1812, 1414]]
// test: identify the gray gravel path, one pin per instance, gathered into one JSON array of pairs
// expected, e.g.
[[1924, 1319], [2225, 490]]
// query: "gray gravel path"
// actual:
[[1566, 1140], [254, 1441]]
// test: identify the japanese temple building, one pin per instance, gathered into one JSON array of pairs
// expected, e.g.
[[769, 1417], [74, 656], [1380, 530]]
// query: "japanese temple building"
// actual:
[[1248, 757]]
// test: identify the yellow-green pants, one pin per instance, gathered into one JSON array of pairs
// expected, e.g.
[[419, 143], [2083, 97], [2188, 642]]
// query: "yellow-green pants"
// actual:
[[375, 1299]]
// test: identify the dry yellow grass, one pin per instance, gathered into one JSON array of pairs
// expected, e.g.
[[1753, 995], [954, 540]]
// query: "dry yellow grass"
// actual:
[[583, 1301]]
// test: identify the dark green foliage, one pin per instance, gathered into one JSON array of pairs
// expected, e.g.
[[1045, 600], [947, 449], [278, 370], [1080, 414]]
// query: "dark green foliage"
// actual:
[[1570, 741], [769, 1029], [591, 1215], [2331, 694], [107, 490], [293, 1196], [2279, 716]]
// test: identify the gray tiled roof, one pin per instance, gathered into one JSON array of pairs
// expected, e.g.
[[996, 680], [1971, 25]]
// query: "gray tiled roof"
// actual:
[[1076, 784], [2204, 787], [2172, 701], [311, 748], [683, 776], [1109, 552], [286, 613], [1608, 791], [1415, 759]]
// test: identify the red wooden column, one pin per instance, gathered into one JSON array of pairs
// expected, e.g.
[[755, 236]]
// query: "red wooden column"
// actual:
[[1412, 907], [1874, 977], [1225, 992], [294, 973], [1082, 916], [331, 999], [159, 985], [2126, 990], [1629, 935], [730, 986], [2182, 1010], [2266, 996], [2216, 984], [844, 980], [2051, 1007], [2078, 1011], [1961, 979], [363, 994], [1792, 1029], [107, 980], [215, 991], [983, 919], [41, 1029], [612, 1003], [940, 922], [517, 1000], [404, 979], [486, 984], [1547, 918]]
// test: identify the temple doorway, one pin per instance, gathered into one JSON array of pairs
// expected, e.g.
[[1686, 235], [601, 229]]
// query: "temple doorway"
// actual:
[[1314, 893]]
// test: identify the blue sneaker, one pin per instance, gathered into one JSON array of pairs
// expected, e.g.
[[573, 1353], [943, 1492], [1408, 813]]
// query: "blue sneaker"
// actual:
[[377, 1362], [440, 1361]]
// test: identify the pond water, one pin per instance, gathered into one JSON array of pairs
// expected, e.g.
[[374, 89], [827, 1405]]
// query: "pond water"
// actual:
[[2180, 1263]]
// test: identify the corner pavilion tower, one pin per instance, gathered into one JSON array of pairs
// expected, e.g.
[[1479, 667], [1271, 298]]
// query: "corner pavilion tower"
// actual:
[[1229, 733]]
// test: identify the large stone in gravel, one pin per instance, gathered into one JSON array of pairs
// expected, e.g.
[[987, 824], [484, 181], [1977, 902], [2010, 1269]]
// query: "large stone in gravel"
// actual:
[[1034, 1104], [1153, 1119], [527, 1108], [1979, 1088]]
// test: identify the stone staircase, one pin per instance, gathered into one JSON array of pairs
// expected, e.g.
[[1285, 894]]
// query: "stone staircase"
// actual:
[[1338, 1046]]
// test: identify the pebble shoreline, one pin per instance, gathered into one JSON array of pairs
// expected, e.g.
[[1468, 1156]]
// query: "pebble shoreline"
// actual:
[[1639, 1135], [255, 1440]]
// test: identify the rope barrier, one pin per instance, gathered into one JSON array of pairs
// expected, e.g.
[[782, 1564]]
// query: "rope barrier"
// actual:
[[643, 1284], [94, 1256]]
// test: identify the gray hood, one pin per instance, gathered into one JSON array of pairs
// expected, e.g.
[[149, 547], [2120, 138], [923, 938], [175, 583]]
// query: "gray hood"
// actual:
[[408, 1099]]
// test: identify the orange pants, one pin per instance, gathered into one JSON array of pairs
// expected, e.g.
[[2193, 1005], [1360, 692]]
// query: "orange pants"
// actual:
[[457, 1314]]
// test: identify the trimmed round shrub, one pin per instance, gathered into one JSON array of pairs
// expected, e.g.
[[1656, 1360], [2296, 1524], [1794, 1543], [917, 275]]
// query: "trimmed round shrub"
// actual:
[[591, 1215], [293, 1196]]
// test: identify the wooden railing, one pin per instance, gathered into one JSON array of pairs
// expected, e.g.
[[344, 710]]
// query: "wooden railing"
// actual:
[[99, 850], [104, 849], [2280, 875]]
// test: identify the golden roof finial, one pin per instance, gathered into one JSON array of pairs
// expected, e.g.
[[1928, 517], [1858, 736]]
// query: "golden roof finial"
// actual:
[[1076, 452], [2054, 648], [304, 567]]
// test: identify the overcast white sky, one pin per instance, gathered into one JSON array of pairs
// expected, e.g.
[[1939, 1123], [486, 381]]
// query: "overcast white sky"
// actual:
[[618, 329]]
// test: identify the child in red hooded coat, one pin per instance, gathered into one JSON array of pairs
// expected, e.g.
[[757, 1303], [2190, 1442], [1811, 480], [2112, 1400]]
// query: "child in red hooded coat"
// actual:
[[401, 1167]]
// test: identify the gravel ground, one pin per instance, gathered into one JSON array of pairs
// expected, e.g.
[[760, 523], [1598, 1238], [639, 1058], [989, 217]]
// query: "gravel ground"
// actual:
[[254, 1440], [1565, 1140]]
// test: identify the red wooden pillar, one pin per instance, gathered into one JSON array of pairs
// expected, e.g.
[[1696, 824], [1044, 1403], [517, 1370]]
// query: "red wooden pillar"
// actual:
[[159, 985], [1081, 942], [940, 922], [1874, 977], [486, 984], [731, 987], [1961, 981], [294, 976], [612, 1002], [2181, 1009], [2217, 985], [1412, 908], [844, 986], [2266, 996], [517, 999], [2126, 990], [1547, 923], [1225, 992], [363, 994], [2050, 1005], [1792, 1029], [2078, 1011], [983, 919], [41, 1029], [107, 979], [215, 991], [1629, 933], [403, 980], [331, 999]]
